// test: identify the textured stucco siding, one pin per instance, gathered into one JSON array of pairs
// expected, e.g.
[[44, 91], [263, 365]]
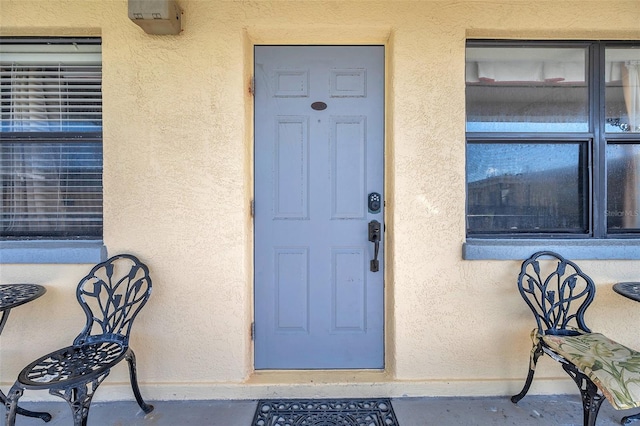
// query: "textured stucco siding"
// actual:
[[178, 184]]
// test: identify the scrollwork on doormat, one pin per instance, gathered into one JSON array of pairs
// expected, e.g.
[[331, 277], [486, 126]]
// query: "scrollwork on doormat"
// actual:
[[326, 412]]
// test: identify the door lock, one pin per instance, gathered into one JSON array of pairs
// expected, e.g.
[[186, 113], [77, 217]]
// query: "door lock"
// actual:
[[374, 237], [374, 202]]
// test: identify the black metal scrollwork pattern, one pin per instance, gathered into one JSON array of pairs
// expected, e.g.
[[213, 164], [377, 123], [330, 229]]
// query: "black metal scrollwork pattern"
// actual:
[[558, 298], [325, 413], [15, 294], [72, 362], [558, 293], [111, 296]]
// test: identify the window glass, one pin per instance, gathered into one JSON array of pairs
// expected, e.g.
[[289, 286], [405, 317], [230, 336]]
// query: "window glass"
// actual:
[[622, 89], [50, 138], [55, 189], [526, 89], [526, 187], [623, 183]]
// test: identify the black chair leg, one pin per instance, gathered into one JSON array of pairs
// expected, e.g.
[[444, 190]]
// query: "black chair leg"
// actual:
[[627, 420], [535, 354], [11, 405], [46, 417], [591, 398], [79, 398], [131, 359]]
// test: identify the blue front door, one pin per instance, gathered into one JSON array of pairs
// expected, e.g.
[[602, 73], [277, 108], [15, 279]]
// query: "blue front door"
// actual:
[[319, 169]]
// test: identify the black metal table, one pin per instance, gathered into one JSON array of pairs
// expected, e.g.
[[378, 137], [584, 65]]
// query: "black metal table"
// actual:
[[11, 296], [629, 290]]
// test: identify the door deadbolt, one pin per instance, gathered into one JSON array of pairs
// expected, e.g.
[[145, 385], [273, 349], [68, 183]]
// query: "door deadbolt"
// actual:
[[374, 202]]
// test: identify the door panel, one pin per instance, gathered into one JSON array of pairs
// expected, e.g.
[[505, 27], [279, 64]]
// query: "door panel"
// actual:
[[319, 152]]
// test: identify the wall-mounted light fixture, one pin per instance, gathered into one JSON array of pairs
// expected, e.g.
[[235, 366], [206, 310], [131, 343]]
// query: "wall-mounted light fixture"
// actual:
[[156, 16]]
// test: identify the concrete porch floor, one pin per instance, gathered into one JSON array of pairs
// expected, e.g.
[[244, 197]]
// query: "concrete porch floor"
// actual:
[[560, 410]]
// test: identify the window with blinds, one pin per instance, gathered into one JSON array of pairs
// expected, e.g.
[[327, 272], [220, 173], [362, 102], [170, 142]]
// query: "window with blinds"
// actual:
[[50, 138]]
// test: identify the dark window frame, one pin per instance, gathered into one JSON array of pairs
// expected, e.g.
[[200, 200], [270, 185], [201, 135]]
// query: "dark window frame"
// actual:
[[596, 139]]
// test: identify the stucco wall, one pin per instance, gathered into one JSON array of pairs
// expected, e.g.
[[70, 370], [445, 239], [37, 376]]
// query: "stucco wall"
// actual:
[[177, 186]]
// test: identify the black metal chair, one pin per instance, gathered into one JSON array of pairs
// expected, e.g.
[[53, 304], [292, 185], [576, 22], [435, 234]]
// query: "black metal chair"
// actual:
[[111, 295], [559, 293]]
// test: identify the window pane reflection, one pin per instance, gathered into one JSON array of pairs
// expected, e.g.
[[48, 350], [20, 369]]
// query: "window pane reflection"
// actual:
[[531, 187], [622, 78], [526, 89], [623, 187]]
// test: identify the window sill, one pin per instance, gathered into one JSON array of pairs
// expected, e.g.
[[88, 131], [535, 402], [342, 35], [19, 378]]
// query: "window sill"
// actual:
[[485, 249], [56, 251]]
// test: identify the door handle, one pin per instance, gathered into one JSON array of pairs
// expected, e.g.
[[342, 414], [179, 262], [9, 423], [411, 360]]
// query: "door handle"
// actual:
[[374, 237]]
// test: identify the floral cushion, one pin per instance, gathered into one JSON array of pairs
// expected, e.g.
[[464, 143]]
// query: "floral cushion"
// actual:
[[613, 368]]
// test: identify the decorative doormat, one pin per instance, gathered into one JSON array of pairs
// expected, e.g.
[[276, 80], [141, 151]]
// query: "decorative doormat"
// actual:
[[325, 412]]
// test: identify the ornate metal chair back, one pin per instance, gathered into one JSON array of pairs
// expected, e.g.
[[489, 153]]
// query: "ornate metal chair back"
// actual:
[[111, 296], [557, 292]]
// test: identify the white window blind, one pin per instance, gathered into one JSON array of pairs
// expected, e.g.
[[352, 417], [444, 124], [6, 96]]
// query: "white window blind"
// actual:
[[50, 138]]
